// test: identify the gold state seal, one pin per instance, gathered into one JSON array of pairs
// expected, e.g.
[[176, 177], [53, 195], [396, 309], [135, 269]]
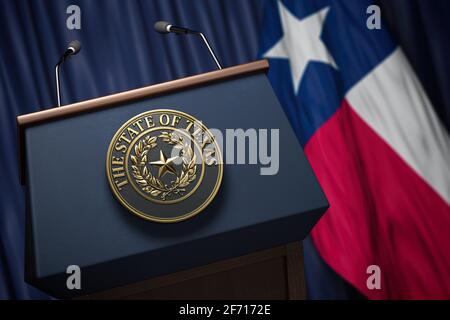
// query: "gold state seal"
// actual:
[[164, 165]]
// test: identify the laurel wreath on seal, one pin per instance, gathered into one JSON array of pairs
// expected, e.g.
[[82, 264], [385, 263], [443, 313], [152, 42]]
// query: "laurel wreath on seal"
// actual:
[[154, 186]]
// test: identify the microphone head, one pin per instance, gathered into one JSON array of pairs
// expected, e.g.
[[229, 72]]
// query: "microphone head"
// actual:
[[161, 27], [75, 46]]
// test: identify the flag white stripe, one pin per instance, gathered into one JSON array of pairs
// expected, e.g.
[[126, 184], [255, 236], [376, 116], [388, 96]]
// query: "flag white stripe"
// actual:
[[393, 103]]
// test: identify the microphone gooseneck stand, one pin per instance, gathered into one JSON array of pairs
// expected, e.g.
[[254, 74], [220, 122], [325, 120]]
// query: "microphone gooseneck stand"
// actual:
[[211, 51], [73, 48]]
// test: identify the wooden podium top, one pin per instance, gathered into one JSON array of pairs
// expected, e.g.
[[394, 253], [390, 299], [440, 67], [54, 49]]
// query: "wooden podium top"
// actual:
[[145, 92], [38, 117]]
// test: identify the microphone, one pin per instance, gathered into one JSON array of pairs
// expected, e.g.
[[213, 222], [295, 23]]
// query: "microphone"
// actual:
[[164, 27], [72, 48]]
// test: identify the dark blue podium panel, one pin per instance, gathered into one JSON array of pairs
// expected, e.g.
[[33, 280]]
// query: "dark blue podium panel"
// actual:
[[74, 218]]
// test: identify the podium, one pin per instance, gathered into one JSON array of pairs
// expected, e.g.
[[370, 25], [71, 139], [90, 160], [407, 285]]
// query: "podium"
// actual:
[[245, 243]]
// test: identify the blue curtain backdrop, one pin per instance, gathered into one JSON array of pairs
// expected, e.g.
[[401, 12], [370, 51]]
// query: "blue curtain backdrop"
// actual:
[[121, 52]]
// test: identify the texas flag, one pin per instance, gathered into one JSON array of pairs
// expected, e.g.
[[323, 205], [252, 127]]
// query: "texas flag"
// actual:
[[374, 141]]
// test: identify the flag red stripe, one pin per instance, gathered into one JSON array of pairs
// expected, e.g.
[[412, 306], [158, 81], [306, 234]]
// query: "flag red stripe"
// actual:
[[381, 212]]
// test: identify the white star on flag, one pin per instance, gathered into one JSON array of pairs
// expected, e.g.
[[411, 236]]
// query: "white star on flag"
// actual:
[[301, 42]]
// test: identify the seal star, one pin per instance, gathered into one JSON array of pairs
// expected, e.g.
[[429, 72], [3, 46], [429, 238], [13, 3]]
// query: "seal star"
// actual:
[[301, 42], [165, 165]]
